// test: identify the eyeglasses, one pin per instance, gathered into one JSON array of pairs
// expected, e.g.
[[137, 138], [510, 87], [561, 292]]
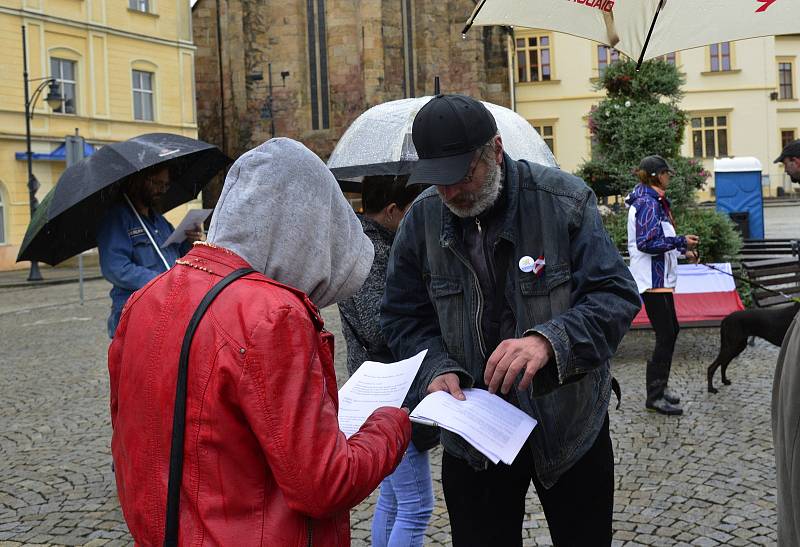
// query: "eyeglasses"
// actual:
[[471, 172]]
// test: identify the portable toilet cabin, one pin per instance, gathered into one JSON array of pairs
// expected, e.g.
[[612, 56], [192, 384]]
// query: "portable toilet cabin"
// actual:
[[738, 191]]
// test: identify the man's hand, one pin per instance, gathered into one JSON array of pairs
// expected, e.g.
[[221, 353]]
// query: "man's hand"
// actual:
[[527, 355], [195, 235], [449, 383], [692, 241], [692, 257]]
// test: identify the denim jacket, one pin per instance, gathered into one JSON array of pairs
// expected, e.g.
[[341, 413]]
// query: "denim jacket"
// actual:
[[127, 258], [582, 301]]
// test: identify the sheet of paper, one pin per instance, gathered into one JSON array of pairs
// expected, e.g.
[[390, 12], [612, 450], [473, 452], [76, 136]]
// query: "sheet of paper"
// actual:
[[372, 386], [495, 427], [193, 219]]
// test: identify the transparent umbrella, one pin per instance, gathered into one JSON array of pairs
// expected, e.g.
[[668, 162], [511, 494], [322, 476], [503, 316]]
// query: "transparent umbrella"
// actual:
[[379, 141]]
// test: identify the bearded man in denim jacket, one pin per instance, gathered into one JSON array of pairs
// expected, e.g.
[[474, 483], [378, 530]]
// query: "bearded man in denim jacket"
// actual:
[[504, 272]]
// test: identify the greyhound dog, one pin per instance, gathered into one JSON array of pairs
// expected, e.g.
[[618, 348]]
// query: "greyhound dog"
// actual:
[[770, 324]]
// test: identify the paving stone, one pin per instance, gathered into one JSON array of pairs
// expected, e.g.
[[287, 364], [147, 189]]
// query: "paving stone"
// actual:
[[705, 478]]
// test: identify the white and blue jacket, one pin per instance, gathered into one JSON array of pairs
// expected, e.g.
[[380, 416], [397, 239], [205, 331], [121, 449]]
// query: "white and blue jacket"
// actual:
[[653, 245]]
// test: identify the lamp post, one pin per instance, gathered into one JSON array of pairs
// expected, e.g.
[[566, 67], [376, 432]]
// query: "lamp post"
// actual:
[[267, 111], [54, 99]]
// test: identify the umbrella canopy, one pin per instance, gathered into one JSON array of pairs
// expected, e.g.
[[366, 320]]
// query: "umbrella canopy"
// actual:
[[65, 222], [627, 25], [379, 141]]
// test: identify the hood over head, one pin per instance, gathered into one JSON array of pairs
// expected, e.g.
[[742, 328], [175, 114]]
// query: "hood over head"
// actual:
[[282, 210]]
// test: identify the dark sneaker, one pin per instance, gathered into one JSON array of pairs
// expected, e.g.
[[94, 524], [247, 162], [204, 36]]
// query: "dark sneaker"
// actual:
[[662, 406], [671, 396]]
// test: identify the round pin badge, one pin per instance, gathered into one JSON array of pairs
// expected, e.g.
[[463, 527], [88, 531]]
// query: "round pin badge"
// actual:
[[526, 264]]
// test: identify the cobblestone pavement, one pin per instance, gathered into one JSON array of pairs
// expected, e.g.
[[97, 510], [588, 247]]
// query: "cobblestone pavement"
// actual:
[[702, 479], [780, 221]]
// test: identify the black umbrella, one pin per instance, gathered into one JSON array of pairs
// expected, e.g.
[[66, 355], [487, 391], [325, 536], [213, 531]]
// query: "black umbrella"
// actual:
[[66, 221]]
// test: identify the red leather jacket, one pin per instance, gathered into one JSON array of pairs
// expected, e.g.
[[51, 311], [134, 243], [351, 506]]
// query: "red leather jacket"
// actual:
[[265, 462]]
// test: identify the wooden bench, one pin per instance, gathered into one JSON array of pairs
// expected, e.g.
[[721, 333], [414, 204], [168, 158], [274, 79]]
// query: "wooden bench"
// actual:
[[778, 274], [756, 249]]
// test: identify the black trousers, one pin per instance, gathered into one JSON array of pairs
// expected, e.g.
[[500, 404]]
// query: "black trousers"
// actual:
[[487, 508], [660, 308]]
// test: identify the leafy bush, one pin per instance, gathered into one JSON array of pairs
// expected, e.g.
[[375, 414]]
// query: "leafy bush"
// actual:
[[689, 177], [640, 117], [654, 79], [720, 241], [607, 177], [628, 130], [617, 227]]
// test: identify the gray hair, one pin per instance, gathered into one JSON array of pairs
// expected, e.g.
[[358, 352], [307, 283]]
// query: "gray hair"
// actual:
[[486, 151]]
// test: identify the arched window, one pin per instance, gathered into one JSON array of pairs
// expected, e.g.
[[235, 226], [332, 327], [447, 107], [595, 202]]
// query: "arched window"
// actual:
[[65, 68]]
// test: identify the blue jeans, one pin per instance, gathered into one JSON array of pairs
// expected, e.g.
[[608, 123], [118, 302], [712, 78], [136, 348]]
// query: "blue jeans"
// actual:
[[405, 503]]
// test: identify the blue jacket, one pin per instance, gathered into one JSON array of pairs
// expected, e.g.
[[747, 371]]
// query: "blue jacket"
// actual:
[[653, 245], [127, 258], [583, 302]]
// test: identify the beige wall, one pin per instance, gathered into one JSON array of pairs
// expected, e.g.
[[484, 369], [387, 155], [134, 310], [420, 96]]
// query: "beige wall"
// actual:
[[107, 40], [743, 94]]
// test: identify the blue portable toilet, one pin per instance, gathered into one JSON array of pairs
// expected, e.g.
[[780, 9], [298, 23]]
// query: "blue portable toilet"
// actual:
[[738, 190]]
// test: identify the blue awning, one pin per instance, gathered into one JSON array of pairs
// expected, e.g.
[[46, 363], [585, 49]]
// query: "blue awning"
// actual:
[[59, 154]]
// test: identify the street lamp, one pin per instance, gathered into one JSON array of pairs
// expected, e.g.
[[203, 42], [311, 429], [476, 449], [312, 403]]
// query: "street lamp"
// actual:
[[267, 111], [54, 99]]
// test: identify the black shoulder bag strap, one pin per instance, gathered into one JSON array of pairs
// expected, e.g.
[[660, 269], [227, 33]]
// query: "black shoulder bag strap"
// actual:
[[179, 416]]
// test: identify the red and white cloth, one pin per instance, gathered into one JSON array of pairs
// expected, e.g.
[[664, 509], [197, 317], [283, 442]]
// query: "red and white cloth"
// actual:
[[703, 295]]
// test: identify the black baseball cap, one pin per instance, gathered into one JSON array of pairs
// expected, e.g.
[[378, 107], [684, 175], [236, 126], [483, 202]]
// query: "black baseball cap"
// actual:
[[791, 150], [446, 133], [655, 165]]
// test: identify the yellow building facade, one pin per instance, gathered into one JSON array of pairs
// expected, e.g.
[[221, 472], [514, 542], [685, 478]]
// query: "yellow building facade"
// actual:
[[125, 68], [742, 98]]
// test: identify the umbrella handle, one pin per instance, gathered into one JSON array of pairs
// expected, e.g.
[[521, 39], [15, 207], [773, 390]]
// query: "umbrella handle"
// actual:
[[141, 222]]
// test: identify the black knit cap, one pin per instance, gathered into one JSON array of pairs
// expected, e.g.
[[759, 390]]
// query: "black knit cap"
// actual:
[[446, 133]]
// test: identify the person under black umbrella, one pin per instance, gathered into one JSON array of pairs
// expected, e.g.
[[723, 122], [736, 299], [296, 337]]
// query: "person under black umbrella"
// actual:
[[130, 236], [66, 221]]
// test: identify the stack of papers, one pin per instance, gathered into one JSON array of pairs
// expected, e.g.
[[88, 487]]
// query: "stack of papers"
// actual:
[[192, 221], [372, 386], [493, 426]]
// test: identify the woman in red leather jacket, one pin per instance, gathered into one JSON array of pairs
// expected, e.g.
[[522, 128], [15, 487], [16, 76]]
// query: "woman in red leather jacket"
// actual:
[[265, 462]]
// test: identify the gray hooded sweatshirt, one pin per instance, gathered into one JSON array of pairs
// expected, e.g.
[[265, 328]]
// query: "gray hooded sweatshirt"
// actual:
[[283, 212]]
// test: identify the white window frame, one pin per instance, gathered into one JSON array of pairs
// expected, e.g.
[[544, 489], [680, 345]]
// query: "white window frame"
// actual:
[[139, 93], [140, 5], [63, 83]]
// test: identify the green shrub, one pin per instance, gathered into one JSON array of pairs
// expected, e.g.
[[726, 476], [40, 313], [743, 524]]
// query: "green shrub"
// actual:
[[653, 80], [719, 240], [617, 227], [640, 117]]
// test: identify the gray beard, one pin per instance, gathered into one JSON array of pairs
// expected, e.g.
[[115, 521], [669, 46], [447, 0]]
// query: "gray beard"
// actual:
[[484, 198]]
